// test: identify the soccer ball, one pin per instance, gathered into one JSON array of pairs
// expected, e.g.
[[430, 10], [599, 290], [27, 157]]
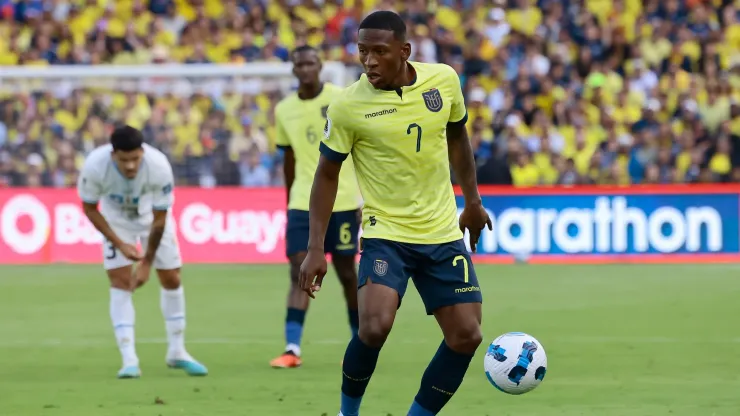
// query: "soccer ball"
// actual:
[[515, 363]]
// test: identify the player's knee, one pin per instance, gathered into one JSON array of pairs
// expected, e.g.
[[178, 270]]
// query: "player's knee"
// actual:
[[121, 278], [294, 274], [121, 284], [466, 338], [169, 279], [295, 267], [346, 270], [374, 329], [348, 278]]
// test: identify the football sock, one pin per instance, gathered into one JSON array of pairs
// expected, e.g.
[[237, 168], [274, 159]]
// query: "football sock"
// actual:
[[354, 321], [172, 303], [294, 330], [417, 410], [359, 365], [123, 317], [440, 381]]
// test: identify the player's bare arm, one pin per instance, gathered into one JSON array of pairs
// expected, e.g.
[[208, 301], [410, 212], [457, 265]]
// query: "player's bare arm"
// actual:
[[155, 238], [288, 170], [474, 217], [155, 235], [100, 224], [323, 194]]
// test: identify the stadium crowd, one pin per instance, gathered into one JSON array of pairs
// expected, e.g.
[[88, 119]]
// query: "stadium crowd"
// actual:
[[558, 91]]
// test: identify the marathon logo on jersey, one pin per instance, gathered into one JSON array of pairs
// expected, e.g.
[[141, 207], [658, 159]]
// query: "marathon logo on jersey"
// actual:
[[381, 267], [381, 113], [433, 100]]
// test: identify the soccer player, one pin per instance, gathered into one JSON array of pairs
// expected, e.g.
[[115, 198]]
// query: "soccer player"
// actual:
[[404, 125], [133, 184], [300, 120]]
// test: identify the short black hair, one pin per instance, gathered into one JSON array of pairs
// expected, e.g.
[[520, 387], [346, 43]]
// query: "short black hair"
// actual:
[[386, 20], [303, 48], [126, 139]]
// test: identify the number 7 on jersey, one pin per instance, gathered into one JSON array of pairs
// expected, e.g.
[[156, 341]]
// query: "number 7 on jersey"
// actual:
[[418, 135]]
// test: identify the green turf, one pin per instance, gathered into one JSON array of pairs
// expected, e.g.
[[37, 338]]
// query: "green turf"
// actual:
[[621, 340]]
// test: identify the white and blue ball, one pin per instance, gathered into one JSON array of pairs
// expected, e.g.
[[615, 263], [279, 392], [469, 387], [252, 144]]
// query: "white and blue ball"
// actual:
[[515, 363]]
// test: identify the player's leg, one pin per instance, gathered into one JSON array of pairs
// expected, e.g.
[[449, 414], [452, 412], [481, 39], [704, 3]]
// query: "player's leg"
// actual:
[[168, 262], [122, 313], [346, 226], [295, 316], [296, 236], [172, 303], [450, 290], [347, 273], [383, 278]]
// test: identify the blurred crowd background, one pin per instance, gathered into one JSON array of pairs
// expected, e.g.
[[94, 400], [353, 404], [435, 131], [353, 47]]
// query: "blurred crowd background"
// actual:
[[558, 91]]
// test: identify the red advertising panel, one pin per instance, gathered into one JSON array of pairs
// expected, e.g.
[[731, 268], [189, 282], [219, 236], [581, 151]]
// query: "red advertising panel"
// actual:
[[668, 224], [213, 226]]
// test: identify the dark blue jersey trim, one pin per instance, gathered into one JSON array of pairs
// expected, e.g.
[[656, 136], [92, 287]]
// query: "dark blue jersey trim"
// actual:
[[331, 154], [461, 122]]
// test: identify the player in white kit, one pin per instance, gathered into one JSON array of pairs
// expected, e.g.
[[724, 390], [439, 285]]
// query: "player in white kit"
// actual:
[[133, 184]]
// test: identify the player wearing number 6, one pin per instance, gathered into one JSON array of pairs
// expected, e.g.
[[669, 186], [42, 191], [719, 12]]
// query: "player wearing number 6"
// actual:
[[133, 184], [404, 125], [300, 120]]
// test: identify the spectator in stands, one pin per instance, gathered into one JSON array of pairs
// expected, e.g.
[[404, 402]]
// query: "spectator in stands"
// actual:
[[253, 173]]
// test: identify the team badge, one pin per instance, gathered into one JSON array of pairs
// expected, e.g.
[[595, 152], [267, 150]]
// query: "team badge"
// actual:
[[324, 109], [381, 267], [433, 100], [327, 128]]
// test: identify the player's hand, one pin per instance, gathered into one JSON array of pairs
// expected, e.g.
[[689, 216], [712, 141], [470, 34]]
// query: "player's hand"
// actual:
[[473, 218], [141, 273], [130, 252], [312, 272]]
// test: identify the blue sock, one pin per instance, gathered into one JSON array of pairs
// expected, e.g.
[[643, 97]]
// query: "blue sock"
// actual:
[[440, 381], [354, 321], [417, 410], [294, 329], [359, 365]]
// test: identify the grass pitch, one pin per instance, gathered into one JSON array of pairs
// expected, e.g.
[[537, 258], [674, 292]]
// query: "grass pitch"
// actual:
[[621, 340]]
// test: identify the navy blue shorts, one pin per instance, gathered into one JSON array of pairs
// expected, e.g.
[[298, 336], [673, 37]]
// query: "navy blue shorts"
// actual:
[[442, 273], [341, 236]]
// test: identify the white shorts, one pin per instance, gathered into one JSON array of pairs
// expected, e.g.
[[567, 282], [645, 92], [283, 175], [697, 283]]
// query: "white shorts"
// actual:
[[167, 256]]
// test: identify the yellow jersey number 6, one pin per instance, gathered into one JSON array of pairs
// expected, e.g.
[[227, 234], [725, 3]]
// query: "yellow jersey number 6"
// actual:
[[345, 234], [465, 265], [310, 135]]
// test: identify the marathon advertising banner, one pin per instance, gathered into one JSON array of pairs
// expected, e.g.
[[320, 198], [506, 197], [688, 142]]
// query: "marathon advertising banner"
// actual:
[[651, 224]]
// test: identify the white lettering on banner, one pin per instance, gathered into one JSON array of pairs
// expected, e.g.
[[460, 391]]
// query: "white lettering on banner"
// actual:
[[71, 226], [200, 224], [583, 240], [604, 228], [25, 242]]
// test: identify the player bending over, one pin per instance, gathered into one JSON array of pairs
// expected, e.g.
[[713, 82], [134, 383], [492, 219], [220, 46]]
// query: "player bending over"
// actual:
[[403, 124], [300, 119], [133, 183]]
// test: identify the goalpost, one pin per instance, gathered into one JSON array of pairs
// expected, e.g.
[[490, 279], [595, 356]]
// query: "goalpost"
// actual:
[[178, 79]]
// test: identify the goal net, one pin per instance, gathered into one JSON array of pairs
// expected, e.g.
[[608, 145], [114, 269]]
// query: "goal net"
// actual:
[[214, 121]]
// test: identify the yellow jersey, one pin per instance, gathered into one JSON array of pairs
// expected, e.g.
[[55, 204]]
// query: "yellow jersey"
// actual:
[[299, 124], [399, 148]]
